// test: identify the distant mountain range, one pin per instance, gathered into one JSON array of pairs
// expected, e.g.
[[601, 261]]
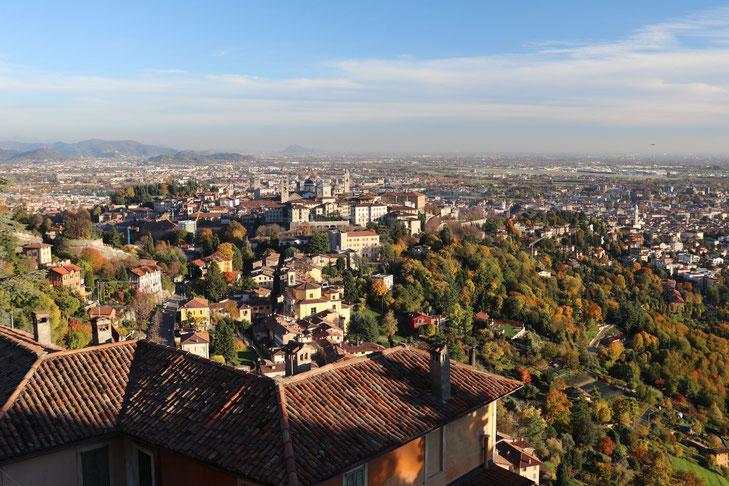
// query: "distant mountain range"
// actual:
[[36, 152], [187, 157], [87, 148], [298, 149], [38, 155]]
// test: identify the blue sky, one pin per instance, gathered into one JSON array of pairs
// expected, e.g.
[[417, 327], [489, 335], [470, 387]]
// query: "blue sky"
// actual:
[[372, 76]]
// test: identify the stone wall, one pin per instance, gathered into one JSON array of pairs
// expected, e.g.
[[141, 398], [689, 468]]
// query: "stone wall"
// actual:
[[106, 251]]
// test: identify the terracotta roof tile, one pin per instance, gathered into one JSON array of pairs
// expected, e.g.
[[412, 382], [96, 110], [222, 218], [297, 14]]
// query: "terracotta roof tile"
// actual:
[[283, 432], [18, 352], [370, 405]]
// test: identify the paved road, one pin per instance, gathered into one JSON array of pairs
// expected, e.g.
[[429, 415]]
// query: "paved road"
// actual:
[[169, 315], [600, 334]]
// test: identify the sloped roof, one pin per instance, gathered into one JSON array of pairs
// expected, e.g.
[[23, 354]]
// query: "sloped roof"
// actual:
[[205, 411], [18, 352], [67, 396], [196, 303], [492, 475], [196, 338], [367, 406], [283, 432], [516, 455]]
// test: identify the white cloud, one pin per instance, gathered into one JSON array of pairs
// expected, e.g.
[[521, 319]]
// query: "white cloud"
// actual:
[[674, 73]]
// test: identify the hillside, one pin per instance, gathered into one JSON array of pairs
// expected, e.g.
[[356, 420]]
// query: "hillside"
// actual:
[[299, 150], [38, 155], [6, 154], [93, 148], [105, 148], [187, 157]]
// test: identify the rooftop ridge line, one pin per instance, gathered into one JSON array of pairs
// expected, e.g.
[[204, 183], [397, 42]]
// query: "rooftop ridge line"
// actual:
[[293, 480]]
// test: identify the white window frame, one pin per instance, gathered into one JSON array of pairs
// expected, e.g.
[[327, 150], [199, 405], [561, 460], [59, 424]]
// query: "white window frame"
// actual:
[[427, 478], [363, 467], [79, 460], [136, 449]]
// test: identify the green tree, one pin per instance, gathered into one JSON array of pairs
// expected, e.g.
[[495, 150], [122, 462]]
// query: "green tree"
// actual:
[[224, 340], [445, 236], [148, 247], [351, 291], [113, 238], [389, 325], [237, 259], [563, 474], [364, 326], [318, 244], [214, 285], [583, 430]]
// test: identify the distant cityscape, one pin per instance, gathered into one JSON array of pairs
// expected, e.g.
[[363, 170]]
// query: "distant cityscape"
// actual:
[[309, 267]]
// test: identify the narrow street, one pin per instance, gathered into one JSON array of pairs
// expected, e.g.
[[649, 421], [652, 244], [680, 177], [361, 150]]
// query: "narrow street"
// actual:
[[169, 315]]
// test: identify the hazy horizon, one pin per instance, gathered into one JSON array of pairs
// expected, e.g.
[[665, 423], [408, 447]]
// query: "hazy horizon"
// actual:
[[468, 78]]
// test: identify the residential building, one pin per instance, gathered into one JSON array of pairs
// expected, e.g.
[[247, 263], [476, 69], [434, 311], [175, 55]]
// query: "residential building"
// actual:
[[197, 343], [201, 265], [40, 252], [361, 214], [137, 412], [366, 243], [309, 298], [412, 199], [516, 455], [196, 310], [68, 276], [146, 278]]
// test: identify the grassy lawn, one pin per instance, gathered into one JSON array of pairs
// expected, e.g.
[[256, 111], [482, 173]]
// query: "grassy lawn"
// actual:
[[509, 332], [374, 314], [247, 357], [711, 478], [591, 332]]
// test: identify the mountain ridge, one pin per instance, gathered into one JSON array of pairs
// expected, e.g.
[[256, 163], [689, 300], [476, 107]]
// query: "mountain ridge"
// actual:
[[93, 147]]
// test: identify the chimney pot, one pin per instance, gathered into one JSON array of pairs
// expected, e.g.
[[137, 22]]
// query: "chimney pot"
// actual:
[[42, 327], [440, 372], [472, 355]]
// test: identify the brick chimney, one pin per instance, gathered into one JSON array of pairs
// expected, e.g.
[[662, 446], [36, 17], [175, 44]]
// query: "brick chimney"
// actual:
[[42, 327], [440, 372], [101, 331]]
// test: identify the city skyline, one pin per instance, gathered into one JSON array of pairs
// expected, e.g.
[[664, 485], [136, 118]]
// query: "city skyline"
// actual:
[[420, 79]]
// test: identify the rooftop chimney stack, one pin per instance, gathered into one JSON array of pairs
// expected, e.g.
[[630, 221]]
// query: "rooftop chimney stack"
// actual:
[[42, 327], [297, 357], [472, 355], [101, 331], [290, 362], [440, 372]]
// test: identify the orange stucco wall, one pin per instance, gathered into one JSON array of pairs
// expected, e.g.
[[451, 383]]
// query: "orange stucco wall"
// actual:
[[404, 466], [180, 471]]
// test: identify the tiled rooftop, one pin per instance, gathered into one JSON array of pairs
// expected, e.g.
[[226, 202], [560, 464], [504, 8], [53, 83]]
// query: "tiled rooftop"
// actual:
[[272, 432]]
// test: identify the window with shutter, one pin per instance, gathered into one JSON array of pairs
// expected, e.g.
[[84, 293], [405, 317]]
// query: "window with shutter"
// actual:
[[94, 465], [434, 453], [356, 477]]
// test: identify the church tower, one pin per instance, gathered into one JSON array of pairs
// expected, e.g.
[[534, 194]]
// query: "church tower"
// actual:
[[346, 181], [284, 189]]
